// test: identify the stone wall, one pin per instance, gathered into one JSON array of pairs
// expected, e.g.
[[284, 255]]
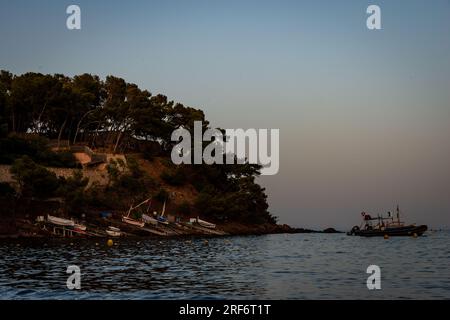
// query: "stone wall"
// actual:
[[95, 174]]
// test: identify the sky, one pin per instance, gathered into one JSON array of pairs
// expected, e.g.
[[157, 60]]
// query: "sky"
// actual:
[[364, 115]]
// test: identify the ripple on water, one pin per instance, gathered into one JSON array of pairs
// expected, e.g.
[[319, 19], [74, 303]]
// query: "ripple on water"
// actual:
[[298, 266]]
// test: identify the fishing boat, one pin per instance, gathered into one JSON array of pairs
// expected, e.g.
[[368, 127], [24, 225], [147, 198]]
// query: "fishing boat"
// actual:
[[132, 221], [206, 224], [60, 221], [113, 232], [386, 227]]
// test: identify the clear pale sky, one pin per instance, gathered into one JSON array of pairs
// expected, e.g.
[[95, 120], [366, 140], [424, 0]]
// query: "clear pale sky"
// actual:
[[364, 116]]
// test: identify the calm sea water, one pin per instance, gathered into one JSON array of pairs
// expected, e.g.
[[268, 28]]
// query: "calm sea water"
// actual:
[[299, 266]]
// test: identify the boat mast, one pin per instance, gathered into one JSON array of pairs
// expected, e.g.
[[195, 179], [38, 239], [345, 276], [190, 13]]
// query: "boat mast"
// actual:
[[140, 204], [149, 206], [164, 209]]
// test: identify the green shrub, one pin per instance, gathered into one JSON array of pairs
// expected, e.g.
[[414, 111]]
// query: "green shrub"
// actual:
[[34, 180], [72, 190], [37, 149]]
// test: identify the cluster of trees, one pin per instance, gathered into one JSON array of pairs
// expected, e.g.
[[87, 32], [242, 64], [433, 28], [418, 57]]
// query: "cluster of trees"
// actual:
[[14, 147], [73, 109], [86, 109], [36, 181]]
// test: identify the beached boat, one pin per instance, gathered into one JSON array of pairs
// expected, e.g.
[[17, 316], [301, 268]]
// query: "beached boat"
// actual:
[[79, 227], [112, 233], [60, 221], [386, 227], [133, 222], [206, 224]]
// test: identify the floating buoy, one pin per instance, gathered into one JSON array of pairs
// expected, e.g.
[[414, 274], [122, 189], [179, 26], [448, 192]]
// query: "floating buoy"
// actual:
[[110, 243], [205, 242], [386, 236]]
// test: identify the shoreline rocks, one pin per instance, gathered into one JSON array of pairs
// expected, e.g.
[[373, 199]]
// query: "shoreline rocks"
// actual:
[[24, 228]]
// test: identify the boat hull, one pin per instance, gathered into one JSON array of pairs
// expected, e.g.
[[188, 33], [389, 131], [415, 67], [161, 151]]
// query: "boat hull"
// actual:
[[113, 233], [406, 231], [133, 222], [206, 224], [60, 221], [79, 227]]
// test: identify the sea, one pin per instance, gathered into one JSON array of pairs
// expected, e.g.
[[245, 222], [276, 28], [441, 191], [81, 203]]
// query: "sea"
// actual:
[[282, 266]]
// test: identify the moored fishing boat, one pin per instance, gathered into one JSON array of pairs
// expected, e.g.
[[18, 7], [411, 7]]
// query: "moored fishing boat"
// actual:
[[386, 227]]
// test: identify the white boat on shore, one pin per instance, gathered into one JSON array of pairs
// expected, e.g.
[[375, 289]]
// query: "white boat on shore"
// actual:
[[60, 221], [133, 222], [206, 224], [114, 234]]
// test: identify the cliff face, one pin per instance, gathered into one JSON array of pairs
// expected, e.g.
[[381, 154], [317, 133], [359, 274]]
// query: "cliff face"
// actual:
[[98, 175], [95, 175]]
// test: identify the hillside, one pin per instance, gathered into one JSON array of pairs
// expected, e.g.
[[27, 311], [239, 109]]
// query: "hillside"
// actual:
[[75, 147]]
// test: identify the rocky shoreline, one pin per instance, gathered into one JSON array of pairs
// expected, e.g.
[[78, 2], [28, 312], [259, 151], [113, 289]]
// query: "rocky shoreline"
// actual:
[[26, 228]]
